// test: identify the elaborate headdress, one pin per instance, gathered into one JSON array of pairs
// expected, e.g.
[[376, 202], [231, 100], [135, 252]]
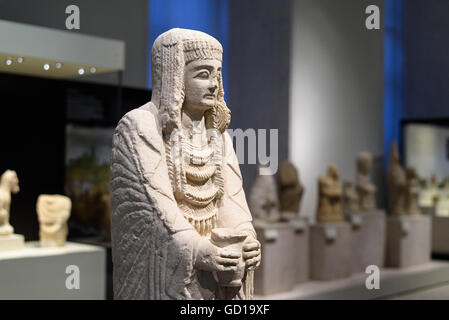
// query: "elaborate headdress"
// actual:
[[171, 51]]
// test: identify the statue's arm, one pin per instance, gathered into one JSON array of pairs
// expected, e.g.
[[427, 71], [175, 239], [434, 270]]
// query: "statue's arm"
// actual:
[[153, 246], [234, 211]]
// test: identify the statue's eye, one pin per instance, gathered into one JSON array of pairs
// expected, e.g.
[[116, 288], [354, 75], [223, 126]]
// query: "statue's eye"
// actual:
[[202, 75]]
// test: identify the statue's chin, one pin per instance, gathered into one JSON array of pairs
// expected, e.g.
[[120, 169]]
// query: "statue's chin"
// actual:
[[206, 106]]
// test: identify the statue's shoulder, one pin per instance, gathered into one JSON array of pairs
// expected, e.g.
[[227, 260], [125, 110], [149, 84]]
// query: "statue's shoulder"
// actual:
[[146, 116], [325, 182], [143, 125]]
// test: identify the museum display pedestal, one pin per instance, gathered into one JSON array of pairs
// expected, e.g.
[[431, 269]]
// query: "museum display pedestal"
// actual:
[[428, 210], [408, 240], [368, 239], [285, 250], [12, 242], [440, 235], [393, 282], [330, 251], [300, 228], [41, 273]]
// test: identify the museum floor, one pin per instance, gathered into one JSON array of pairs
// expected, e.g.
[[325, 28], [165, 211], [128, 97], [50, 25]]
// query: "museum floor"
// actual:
[[439, 292]]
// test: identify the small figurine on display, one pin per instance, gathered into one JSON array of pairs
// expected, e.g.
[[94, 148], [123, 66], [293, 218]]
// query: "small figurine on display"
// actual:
[[429, 194], [365, 188], [412, 193], [330, 197], [350, 197], [9, 183], [397, 183], [291, 190], [53, 211], [264, 202]]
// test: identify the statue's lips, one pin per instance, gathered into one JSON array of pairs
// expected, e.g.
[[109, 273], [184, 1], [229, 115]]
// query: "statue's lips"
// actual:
[[209, 96]]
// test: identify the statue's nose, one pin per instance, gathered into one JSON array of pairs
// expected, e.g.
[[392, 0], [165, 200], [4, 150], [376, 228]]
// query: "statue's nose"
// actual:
[[213, 88]]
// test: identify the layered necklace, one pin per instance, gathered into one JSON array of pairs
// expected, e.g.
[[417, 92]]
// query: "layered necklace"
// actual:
[[198, 181]]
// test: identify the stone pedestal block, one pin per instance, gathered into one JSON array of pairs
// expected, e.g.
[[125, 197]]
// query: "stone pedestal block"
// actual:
[[408, 240], [36, 273], [330, 251], [440, 235], [428, 210], [12, 242], [300, 249], [284, 256], [368, 239]]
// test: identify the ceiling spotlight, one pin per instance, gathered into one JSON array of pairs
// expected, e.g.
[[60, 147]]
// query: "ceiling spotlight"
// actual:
[[58, 65], [19, 59], [93, 70], [80, 71], [46, 66], [8, 62]]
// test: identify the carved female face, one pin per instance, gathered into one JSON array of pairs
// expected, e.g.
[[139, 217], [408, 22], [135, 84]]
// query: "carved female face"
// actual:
[[201, 81]]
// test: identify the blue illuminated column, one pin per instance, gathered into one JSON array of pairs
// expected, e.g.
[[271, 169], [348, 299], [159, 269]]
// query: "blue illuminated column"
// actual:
[[394, 75]]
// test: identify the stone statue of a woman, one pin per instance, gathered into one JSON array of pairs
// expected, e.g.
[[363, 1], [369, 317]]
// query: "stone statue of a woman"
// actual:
[[181, 227], [365, 188], [397, 183]]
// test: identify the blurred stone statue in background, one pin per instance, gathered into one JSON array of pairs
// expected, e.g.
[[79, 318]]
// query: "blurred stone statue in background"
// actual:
[[429, 194], [350, 197], [291, 190], [263, 200], [397, 183], [181, 227], [53, 211], [9, 183], [330, 197], [412, 192], [365, 188]]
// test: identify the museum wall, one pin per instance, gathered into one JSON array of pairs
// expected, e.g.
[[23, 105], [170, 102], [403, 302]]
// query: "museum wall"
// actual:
[[259, 68], [113, 19], [425, 60], [336, 91], [426, 148]]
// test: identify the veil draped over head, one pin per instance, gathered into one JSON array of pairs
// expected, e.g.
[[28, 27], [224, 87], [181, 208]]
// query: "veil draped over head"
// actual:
[[171, 51]]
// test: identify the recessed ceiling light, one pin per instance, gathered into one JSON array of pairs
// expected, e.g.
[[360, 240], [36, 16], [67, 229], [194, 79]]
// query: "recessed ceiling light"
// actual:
[[93, 70], [46, 66], [58, 65], [8, 62], [81, 71], [19, 59]]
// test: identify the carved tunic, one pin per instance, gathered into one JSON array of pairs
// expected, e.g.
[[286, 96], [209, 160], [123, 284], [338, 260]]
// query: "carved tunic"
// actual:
[[153, 241], [329, 203], [366, 190], [264, 202], [350, 198]]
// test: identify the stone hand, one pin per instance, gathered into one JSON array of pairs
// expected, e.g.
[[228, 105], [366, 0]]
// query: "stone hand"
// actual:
[[212, 258], [251, 253]]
